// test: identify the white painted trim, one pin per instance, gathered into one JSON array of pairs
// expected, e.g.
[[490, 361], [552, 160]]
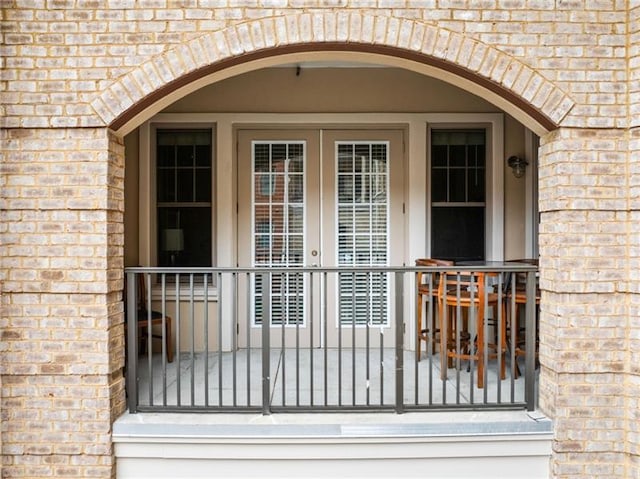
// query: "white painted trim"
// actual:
[[324, 119], [531, 194], [484, 444], [146, 200], [494, 204]]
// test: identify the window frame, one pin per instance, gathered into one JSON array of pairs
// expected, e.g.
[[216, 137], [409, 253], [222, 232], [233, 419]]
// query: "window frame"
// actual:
[[148, 246], [180, 203], [494, 181]]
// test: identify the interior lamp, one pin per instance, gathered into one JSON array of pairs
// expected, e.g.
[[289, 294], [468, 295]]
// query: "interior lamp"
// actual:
[[173, 242]]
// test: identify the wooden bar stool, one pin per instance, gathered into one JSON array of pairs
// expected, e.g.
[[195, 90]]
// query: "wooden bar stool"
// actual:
[[467, 291], [427, 289]]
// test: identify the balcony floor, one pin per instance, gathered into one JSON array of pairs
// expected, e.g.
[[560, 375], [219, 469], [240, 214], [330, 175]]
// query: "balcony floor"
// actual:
[[207, 381]]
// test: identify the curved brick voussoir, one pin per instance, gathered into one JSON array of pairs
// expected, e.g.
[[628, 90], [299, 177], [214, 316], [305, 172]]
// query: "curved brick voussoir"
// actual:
[[452, 52]]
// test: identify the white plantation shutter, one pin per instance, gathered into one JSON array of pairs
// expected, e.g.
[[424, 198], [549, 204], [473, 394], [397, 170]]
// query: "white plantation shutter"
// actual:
[[363, 219], [278, 226]]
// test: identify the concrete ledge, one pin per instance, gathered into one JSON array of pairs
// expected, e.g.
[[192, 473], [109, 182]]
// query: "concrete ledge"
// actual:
[[454, 444]]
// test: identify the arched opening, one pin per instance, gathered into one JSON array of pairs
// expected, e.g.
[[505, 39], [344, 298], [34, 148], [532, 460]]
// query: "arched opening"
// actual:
[[200, 198]]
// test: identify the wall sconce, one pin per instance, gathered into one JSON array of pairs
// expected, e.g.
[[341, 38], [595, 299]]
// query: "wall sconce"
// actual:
[[518, 165]]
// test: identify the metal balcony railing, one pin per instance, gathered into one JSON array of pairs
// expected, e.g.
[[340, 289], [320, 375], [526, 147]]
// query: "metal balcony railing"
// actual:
[[331, 339]]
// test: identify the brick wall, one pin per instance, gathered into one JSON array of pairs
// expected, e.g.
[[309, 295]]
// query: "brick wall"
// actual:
[[62, 316], [60, 53], [67, 65], [633, 381], [586, 230]]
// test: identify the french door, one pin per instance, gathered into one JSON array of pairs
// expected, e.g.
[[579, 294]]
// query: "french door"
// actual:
[[319, 198]]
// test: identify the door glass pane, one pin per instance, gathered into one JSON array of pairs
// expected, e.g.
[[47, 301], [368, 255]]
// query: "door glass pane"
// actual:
[[362, 210], [278, 228]]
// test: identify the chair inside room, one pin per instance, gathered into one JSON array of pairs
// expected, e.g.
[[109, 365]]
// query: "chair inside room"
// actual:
[[426, 294], [144, 315], [466, 297], [516, 299]]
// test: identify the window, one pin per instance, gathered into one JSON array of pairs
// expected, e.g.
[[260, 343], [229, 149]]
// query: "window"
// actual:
[[458, 190], [184, 195], [363, 231], [278, 212]]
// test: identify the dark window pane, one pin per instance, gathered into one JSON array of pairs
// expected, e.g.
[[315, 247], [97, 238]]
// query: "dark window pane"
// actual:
[[458, 233], [166, 185], [457, 186], [261, 157], [166, 154], [185, 185], [185, 155], [203, 185], [184, 236], [439, 185], [203, 155], [296, 191], [481, 157], [476, 182], [457, 155], [362, 159], [278, 157], [345, 158], [439, 155]]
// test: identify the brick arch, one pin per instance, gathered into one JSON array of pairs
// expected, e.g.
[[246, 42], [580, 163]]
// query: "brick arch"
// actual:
[[466, 62]]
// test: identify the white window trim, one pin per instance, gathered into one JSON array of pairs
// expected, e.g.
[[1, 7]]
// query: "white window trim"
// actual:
[[532, 220], [494, 199], [147, 199]]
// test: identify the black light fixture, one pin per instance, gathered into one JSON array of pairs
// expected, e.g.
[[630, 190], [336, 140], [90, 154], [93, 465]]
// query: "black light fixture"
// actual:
[[517, 165]]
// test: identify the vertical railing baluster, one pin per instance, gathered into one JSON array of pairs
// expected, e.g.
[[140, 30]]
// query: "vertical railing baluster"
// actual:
[[370, 281], [248, 322], [399, 333], [132, 344], [149, 336], [266, 353], [177, 351], [432, 321], [311, 326], [164, 339], [485, 339], [444, 339], [418, 333], [513, 329], [458, 333], [220, 287], [339, 341], [323, 293], [501, 339], [383, 311], [472, 318], [284, 305], [530, 341], [205, 291], [297, 303], [354, 312], [192, 326], [234, 332]]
